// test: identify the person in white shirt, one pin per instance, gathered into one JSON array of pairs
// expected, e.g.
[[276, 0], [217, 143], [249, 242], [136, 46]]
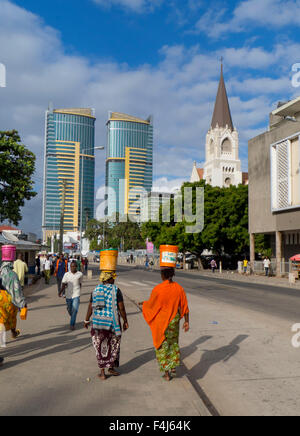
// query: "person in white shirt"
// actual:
[[71, 284], [267, 264], [47, 269]]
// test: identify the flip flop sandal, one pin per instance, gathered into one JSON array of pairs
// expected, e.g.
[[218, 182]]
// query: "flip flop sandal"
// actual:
[[18, 332], [114, 373], [167, 379]]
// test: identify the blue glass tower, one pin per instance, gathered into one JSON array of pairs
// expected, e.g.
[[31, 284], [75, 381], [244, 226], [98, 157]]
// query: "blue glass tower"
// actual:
[[69, 159], [129, 162]]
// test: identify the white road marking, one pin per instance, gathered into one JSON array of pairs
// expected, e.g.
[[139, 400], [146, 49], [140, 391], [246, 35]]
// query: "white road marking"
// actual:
[[123, 283], [139, 284]]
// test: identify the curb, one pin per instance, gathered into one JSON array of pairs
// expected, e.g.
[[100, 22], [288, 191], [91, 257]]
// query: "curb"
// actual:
[[196, 398], [195, 393]]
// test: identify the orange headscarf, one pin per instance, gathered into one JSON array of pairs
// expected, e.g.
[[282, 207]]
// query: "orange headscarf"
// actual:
[[166, 300]]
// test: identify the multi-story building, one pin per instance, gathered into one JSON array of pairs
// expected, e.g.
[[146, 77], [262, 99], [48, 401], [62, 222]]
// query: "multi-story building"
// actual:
[[69, 169], [151, 203], [274, 183], [129, 162]]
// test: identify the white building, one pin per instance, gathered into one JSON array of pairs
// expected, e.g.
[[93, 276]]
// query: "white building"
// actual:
[[222, 164]]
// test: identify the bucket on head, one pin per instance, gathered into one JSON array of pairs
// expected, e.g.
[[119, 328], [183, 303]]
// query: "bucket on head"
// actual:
[[8, 253], [168, 255], [108, 259]]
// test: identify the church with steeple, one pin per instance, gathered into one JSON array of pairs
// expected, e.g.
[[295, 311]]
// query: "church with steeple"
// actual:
[[222, 164]]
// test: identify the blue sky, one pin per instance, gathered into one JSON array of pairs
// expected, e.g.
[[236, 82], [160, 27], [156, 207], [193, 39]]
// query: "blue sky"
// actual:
[[146, 57]]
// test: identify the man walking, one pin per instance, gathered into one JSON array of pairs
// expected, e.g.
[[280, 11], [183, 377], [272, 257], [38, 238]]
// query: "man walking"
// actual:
[[213, 265], [60, 269], [47, 270], [267, 264], [72, 282], [20, 268], [245, 265]]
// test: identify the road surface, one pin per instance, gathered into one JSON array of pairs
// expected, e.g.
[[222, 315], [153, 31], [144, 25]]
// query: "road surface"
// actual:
[[239, 349]]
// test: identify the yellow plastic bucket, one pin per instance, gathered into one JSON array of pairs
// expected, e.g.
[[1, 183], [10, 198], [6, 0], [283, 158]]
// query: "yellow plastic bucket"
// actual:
[[108, 259], [168, 255]]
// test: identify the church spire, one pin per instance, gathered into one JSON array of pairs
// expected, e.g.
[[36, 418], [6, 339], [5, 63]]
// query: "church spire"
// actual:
[[222, 115]]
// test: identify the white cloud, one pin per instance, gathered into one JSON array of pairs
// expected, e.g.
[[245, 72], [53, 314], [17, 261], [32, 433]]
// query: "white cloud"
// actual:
[[163, 184], [273, 14], [179, 91], [138, 6]]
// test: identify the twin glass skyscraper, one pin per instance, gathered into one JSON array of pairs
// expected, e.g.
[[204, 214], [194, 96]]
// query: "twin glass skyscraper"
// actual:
[[70, 162], [129, 163], [69, 166]]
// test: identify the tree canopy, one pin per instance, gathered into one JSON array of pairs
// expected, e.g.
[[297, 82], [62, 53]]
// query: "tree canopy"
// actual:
[[124, 235], [17, 165], [225, 223]]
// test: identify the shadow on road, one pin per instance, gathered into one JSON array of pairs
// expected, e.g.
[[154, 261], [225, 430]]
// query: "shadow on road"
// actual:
[[212, 357], [44, 347], [144, 358]]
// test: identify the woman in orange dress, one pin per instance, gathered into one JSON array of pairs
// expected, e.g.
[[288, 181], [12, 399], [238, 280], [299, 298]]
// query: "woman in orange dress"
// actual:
[[163, 311]]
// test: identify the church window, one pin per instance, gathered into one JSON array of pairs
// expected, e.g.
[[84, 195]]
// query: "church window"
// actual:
[[211, 146], [226, 146], [228, 181]]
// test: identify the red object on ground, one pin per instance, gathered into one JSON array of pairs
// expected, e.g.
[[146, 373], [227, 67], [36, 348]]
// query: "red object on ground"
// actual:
[[296, 257]]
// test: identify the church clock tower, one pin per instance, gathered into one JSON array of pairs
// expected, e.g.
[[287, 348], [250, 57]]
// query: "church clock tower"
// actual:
[[222, 165]]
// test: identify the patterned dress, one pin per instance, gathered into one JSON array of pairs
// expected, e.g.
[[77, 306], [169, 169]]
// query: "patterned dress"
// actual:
[[168, 355], [106, 331], [8, 312]]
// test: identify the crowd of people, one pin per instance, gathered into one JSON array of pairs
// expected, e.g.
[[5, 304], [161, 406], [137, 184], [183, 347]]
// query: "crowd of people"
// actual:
[[162, 312], [67, 271], [46, 264]]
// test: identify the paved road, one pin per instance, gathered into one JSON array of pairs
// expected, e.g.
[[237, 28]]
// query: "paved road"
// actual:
[[50, 370], [239, 348]]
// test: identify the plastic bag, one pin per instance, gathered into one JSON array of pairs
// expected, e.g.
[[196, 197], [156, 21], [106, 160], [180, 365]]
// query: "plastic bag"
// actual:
[[2, 336]]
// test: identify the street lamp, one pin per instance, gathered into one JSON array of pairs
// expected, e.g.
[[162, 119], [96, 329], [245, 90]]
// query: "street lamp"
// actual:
[[81, 195]]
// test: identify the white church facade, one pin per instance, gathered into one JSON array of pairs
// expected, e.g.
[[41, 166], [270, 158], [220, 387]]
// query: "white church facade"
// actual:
[[222, 166]]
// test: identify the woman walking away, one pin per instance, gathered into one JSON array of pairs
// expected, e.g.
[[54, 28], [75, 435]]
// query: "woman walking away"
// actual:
[[11, 298], [106, 305], [163, 312]]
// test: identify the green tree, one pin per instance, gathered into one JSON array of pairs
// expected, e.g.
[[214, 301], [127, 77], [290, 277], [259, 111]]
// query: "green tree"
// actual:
[[263, 245], [225, 223], [125, 235], [17, 165]]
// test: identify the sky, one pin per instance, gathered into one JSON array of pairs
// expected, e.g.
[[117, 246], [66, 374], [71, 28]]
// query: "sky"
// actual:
[[142, 57]]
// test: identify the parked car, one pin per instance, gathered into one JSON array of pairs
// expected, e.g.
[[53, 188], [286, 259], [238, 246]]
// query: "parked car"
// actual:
[[190, 258]]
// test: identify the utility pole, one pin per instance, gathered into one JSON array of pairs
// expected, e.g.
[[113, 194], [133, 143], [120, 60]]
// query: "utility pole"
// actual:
[[62, 213]]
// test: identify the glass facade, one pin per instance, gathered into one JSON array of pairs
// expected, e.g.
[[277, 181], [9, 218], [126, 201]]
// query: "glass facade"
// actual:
[[69, 159], [129, 162]]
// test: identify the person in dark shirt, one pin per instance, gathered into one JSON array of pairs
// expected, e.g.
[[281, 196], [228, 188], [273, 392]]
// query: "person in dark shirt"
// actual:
[[60, 269]]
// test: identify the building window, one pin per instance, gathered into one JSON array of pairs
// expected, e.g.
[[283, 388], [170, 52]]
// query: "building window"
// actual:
[[226, 146], [285, 174]]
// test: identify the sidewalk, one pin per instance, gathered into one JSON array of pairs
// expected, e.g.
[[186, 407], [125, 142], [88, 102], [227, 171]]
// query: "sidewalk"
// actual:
[[51, 371], [233, 275]]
